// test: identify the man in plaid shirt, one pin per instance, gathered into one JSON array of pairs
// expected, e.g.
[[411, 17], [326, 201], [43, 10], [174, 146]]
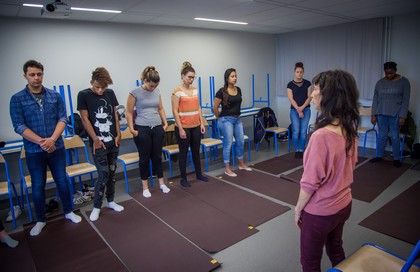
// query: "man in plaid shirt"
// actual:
[[39, 115]]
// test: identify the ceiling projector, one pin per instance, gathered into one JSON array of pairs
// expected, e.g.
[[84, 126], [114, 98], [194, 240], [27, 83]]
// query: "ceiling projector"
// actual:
[[56, 9]]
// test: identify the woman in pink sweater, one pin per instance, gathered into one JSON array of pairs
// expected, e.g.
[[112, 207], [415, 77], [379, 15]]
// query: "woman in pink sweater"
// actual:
[[325, 198]]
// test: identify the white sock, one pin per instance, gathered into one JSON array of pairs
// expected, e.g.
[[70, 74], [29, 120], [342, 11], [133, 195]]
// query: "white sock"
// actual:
[[94, 215], [146, 193], [9, 241], [73, 217], [37, 228], [115, 206], [164, 188]]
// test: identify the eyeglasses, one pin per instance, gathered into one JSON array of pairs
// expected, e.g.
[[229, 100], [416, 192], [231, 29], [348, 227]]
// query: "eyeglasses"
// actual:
[[191, 77]]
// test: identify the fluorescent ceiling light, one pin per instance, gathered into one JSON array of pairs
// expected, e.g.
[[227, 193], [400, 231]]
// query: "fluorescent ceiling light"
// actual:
[[33, 5], [220, 21], [97, 10], [74, 8]]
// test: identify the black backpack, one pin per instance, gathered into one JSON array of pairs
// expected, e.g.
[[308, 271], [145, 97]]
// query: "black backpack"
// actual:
[[415, 154], [78, 128], [409, 128], [265, 118]]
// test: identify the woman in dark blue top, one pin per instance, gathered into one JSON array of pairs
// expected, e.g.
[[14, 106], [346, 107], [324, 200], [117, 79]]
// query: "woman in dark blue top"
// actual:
[[299, 93]]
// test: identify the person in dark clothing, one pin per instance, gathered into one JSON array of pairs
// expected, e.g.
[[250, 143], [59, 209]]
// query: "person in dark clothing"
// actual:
[[97, 107]]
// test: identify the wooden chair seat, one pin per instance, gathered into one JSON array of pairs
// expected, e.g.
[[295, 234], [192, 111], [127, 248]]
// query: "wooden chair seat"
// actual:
[[80, 169], [4, 188], [171, 149], [208, 142], [276, 129], [129, 158]]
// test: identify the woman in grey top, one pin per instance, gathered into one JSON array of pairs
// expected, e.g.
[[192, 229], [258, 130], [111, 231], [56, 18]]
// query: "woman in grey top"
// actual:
[[389, 109], [147, 127]]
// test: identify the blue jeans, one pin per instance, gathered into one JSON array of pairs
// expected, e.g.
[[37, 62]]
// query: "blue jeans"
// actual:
[[37, 166], [389, 123], [106, 164], [299, 128], [231, 127]]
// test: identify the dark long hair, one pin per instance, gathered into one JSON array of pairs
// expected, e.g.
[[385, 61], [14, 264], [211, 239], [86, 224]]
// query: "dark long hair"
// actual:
[[226, 85], [339, 100]]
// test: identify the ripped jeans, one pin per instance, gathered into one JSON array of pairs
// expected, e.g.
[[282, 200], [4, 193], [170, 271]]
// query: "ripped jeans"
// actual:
[[106, 164]]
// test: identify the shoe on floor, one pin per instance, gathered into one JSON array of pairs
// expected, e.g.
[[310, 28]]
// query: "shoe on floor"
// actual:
[[397, 163], [298, 155], [245, 168], [377, 159], [185, 183], [202, 178], [231, 175], [17, 211]]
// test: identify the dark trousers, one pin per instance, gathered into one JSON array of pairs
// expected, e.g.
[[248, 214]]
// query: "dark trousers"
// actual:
[[319, 231], [192, 141], [149, 143], [106, 165]]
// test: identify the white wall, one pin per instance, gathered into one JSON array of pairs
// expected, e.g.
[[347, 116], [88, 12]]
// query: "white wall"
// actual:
[[70, 50], [404, 50]]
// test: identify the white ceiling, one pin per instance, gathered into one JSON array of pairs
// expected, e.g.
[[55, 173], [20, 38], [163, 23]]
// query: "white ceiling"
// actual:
[[262, 16]]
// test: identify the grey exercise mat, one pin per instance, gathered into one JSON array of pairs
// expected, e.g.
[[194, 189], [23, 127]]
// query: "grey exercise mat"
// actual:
[[398, 218], [145, 243], [66, 246], [243, 205], [209, 228], [371, 179], [280, 164], [266, 184]]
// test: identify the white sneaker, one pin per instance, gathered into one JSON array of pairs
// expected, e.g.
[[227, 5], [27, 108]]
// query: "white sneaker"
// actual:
[[17, 211]]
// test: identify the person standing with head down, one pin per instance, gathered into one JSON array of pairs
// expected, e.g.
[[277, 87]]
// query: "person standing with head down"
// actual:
[[389, 110], [149, 126], [299, 93], [325, 198], [97, 107], [189, 124], [39, 115], [229, 121]]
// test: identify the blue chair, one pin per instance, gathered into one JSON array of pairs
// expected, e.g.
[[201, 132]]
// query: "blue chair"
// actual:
[[7, 188], [402, 137], [372, 258], [75, 167], [210, 143], [365, 112]]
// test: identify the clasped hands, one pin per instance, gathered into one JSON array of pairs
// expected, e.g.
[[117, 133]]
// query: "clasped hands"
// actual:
[[47, 144], [300, 112]]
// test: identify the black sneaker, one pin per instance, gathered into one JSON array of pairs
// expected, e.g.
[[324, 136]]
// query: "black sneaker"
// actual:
[[202, 178], [298, 155], [185, 183], [397, 163], [377, 159]]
